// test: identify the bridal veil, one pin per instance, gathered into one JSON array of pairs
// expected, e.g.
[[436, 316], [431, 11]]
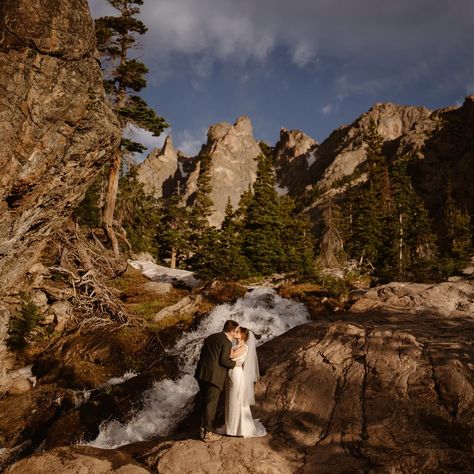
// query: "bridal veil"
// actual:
[[250, 368]]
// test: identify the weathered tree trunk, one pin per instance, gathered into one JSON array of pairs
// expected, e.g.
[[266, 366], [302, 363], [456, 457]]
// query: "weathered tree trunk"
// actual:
[[110, 200], [173, 258]]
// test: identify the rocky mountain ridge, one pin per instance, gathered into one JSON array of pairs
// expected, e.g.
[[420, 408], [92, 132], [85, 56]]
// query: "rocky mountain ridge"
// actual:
[[440, 143]]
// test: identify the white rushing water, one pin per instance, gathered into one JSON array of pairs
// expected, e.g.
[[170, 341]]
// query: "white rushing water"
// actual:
[[169, 401]]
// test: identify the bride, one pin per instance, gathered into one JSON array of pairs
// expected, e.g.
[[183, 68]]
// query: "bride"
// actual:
[[240, 389]]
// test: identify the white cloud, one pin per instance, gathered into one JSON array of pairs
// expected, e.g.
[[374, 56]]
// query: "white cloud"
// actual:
[[327, 109], [145, 138], [190, 142], [377, 44], [303, 54]]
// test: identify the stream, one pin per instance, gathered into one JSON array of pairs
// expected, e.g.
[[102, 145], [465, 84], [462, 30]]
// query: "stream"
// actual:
[[168, 401]]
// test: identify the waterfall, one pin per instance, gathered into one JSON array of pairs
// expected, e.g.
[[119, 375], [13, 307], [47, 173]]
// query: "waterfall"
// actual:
[[167, 402]]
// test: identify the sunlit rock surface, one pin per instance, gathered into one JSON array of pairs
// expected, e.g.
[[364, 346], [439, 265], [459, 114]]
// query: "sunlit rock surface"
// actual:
[[233, 151], [379, 391], [56, 129]]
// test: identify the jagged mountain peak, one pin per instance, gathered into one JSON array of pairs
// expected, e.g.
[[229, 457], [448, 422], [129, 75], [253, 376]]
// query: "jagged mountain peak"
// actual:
[[159, 169], [242, 126], [233, 150], [296, 141], [393, 120]]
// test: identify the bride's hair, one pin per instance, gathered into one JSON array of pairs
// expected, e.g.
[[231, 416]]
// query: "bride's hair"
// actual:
[[244, 332]]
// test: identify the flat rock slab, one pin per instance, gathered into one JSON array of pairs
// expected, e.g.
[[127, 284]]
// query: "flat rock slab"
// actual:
[[78, 460]]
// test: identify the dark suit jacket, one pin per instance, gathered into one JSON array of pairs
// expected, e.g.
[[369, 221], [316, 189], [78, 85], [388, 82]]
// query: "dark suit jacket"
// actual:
[[215, 360]]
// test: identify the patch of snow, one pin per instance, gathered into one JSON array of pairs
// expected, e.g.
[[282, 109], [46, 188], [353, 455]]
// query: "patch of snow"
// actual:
[[281, 190], [311, 158], [182, 173], [159, 273]]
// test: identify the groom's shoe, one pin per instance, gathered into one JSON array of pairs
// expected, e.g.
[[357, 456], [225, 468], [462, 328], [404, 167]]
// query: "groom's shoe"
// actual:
[[202, 433], [209, 436]]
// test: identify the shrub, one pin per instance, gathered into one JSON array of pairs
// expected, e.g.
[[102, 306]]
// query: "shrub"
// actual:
[[21, 325]]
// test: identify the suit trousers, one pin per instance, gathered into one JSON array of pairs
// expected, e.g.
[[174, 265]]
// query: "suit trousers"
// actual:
[[209, 397]]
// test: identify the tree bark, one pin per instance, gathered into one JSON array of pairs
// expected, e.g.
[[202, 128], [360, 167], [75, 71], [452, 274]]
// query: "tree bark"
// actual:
[[173, 258], [110, 200]]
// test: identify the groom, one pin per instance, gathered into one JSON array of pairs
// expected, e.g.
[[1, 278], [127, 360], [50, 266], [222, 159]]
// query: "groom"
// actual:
[[211, 372]]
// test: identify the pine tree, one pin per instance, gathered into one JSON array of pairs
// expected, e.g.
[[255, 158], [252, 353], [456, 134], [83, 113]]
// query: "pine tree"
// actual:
[[172, 232], [371, 205], [116, 37], [88, 212], [229, 261], [297, 240], [136, 213], [409, 241], [331, 245], [263, 226], [202, 206], [458, 232]]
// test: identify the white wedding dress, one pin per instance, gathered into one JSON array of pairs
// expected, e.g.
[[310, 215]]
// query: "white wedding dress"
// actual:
[[238, 391]]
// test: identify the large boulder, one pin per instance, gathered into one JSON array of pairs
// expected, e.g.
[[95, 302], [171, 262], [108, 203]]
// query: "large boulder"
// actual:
[[366, 392], [449, 298], [57, 129]]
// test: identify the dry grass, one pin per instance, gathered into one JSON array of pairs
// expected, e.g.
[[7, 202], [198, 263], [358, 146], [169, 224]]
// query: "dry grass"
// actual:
[[299, 290]]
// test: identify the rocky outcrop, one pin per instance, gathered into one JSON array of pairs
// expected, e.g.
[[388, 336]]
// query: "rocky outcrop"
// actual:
[[57, 130], [371, 392], [344, 150], [165, 170], [379, 391], [233, 150], [79, 459], [158, 170], [451, 299], [294, 154]]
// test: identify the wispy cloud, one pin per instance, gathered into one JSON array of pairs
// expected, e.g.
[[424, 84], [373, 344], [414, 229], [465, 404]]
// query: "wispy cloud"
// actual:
[[146, 138], [327, 109], [190, 141]]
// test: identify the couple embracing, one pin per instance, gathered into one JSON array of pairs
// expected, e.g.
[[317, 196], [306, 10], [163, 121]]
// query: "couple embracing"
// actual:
[[235, 369]]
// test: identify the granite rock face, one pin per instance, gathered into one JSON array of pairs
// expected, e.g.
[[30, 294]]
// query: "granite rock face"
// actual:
[[451, 299], [79, 460], [233, 151], [294, 154], [344, 150], [165, 171], [56, 128], [159, 168]]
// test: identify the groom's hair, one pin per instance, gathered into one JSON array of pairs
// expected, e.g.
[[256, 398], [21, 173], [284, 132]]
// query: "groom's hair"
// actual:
[[230, 325]]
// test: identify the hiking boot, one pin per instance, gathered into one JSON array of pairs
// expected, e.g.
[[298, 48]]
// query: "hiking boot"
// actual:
[[209, 436]]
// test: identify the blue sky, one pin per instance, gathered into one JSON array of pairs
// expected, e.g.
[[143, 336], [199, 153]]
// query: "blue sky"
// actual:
[[312, 65]]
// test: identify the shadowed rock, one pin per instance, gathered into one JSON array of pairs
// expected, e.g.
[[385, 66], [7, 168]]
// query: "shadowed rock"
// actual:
[[378, 391]]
